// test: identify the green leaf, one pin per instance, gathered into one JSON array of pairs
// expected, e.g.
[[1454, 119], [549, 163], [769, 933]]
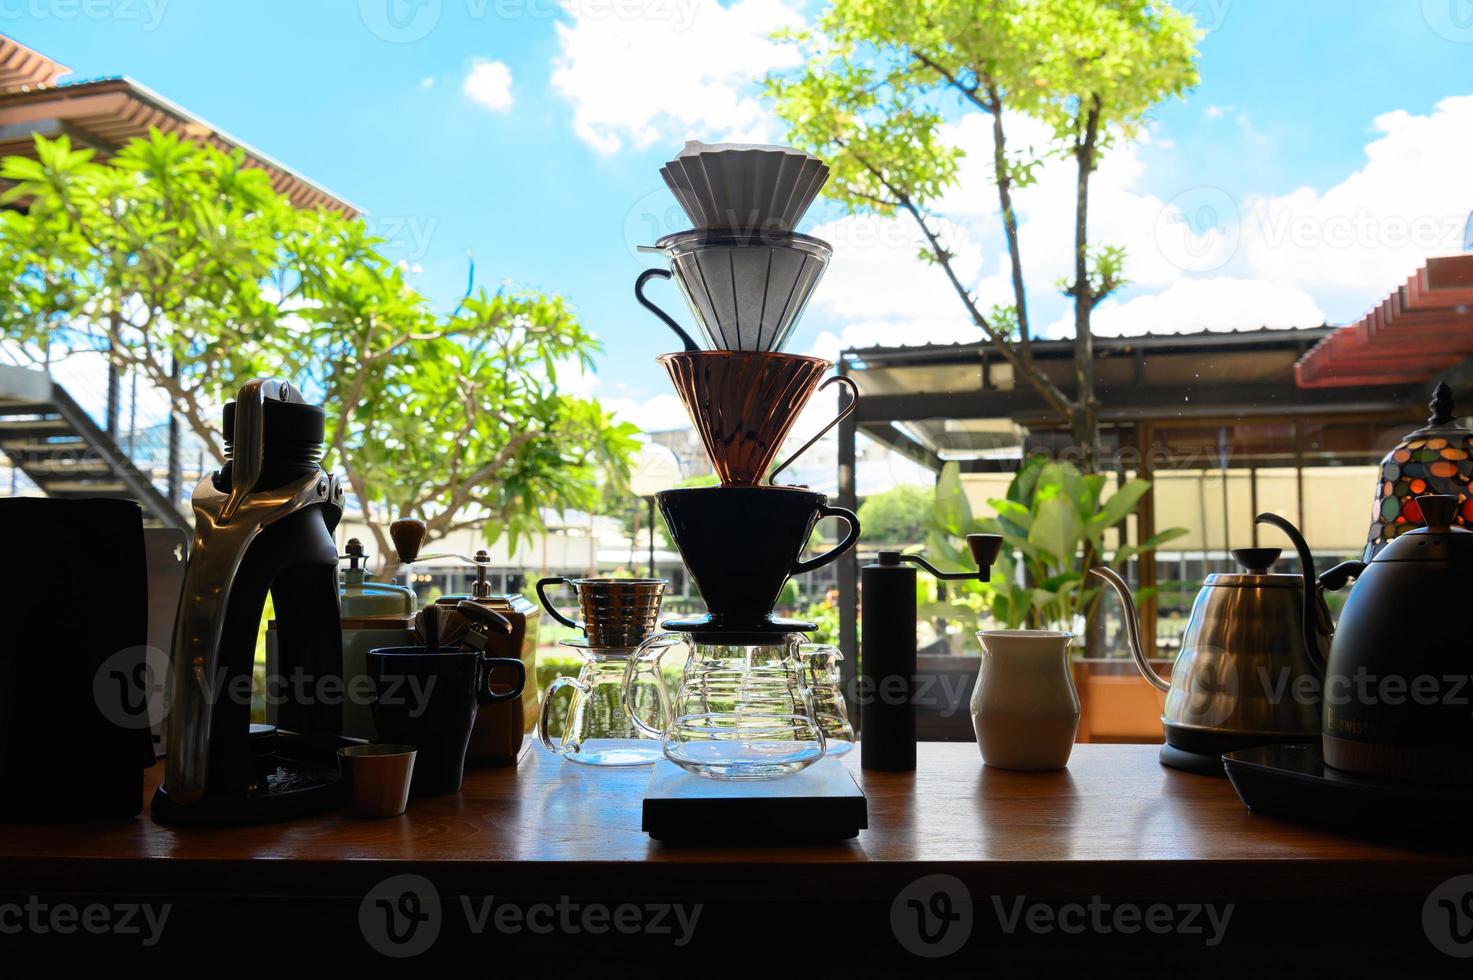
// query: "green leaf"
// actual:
[[952, 513], [1121, 504], [1056, 529]]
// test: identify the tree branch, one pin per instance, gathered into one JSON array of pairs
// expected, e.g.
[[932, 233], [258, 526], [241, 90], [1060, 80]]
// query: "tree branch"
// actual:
[[1040, 381]]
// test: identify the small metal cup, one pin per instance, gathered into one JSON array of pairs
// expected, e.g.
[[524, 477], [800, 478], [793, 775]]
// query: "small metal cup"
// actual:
[[618, 613], [378, 778]]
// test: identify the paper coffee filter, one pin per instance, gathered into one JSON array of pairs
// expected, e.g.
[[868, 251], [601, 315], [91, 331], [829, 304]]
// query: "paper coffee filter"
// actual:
[[743, 185]]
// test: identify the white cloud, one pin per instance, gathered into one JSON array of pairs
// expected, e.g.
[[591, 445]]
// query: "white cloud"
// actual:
[[488, 83], [1196, 258], [656, 413], [1355, 242], [427, 82], [1219, 303], [680, 69]]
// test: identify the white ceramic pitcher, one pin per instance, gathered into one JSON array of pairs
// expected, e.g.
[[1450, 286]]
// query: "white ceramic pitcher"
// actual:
[[1024, 707]]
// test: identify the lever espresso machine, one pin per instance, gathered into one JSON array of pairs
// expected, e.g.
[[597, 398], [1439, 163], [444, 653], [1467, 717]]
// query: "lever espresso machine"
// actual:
[[263, 523]]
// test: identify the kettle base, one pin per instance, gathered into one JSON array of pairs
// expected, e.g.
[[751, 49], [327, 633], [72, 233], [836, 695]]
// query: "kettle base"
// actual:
[[1195, 762]]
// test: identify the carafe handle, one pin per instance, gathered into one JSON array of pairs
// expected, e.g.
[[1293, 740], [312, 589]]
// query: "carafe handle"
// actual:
[[649, 653], [550, 606], [648, 304], [849, 518], [569, 747]]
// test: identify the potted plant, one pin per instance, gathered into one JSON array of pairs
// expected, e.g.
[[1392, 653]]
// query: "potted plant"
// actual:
[[1055, 523]]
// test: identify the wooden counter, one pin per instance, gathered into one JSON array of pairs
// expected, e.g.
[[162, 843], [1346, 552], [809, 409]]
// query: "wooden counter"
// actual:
[[1115, 825]]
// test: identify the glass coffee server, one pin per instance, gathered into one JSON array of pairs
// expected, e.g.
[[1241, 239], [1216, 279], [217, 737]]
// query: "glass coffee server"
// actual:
[[617, 615], [743, 710]]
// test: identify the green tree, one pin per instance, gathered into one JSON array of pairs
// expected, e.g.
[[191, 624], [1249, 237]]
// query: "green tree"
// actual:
[[898, 516], [181, 263], [879, 80]]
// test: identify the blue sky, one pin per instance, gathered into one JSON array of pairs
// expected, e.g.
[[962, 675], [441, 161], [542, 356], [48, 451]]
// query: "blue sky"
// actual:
[[531, 133]]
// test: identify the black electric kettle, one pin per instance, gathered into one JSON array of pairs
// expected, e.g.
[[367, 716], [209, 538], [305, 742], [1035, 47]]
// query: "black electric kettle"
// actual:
[[1397, 685]]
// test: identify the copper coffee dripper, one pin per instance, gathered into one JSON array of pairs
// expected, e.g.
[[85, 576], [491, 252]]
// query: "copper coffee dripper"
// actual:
[[743, 403]]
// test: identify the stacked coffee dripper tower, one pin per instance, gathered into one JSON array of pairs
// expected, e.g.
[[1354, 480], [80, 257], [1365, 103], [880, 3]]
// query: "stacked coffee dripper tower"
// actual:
[[745, 709]]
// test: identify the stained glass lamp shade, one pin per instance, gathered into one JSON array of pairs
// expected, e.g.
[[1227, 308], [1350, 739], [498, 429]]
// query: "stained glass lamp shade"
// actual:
[[1437, 458]]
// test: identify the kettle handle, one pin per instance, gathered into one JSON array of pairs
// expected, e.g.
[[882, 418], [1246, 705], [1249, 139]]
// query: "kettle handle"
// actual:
[[1132, 625], [1316, 617]]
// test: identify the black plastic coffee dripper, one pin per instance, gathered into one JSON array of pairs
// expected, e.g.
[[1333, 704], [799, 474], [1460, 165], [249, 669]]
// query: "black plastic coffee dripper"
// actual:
[[740, 545]]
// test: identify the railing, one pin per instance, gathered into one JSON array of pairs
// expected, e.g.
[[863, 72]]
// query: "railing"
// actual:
[[140, 428]]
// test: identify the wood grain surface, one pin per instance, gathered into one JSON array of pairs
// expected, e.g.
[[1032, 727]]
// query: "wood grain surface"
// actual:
[[1114, 818]]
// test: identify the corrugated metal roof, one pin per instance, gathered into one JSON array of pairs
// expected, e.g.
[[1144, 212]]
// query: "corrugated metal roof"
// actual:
[[112, 110]]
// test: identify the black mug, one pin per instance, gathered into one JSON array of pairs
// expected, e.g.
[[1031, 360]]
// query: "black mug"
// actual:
[[427, 699], [740, 544]]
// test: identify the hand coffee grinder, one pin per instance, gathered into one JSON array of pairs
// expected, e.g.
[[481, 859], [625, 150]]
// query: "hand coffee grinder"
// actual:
[[887, 650], [263, 522]]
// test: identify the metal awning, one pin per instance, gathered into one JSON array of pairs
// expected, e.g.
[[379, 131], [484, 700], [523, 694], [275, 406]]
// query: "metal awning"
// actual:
[[105, 113], [962, 401], [1421, 329]]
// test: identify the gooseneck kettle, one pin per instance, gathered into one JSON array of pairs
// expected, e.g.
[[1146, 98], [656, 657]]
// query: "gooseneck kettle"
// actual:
[[1397, 682], [1242, 677]]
